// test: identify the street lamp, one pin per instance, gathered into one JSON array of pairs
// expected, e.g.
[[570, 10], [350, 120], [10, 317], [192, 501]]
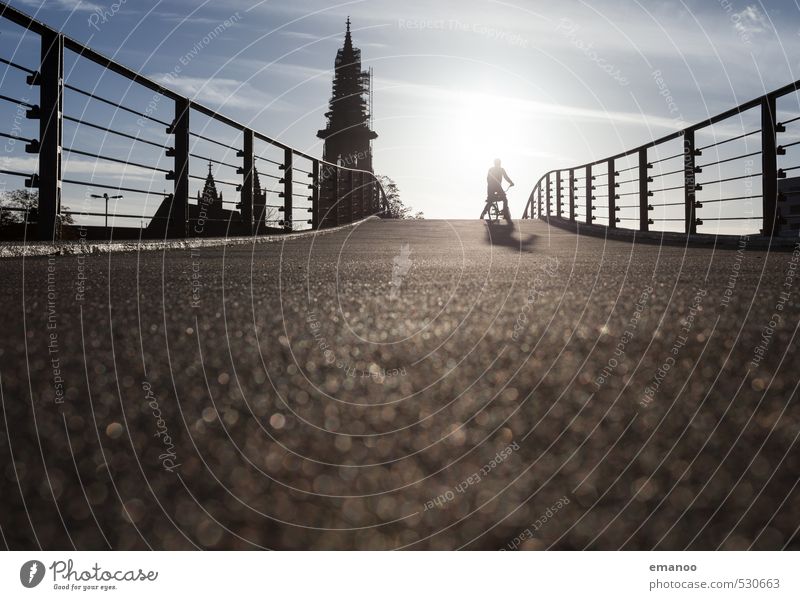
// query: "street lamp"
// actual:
[[107, 197]]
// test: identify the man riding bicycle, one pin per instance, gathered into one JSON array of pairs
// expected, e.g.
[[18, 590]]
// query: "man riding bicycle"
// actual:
[[495, 191]]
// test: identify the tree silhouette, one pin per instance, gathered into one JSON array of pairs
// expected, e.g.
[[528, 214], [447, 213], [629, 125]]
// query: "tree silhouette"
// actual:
[[395, 207], [28, 200]]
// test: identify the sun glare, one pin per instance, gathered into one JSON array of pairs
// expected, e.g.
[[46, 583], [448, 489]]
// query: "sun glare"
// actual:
[[479, 128], [483, 129]]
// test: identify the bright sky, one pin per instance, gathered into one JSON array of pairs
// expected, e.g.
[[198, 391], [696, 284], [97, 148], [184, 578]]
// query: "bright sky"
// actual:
[[540, 84]]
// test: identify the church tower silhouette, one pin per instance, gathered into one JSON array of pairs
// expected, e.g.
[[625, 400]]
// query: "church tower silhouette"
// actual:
[[348, 135], [210, 199]]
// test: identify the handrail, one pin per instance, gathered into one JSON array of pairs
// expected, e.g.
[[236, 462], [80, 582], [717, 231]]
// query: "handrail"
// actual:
[[540, 200], [352, 193], [27, 21]]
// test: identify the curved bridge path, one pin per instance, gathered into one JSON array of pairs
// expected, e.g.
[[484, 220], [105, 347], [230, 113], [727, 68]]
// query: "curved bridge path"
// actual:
[[402, 384]]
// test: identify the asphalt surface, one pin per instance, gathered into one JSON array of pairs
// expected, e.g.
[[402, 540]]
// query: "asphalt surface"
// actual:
[[412, 384]]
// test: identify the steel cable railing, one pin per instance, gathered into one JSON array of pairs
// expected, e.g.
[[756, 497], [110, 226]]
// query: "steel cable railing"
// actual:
[[115, 105], [718, 189], [330, 194]]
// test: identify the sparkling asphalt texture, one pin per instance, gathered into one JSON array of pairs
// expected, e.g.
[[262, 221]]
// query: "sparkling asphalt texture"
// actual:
[[403, 384]]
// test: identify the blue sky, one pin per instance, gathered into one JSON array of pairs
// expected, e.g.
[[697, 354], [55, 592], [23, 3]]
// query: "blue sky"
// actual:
[[540, 84]]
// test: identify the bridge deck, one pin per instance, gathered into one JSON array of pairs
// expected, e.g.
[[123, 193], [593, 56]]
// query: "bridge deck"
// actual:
[[355, 389]]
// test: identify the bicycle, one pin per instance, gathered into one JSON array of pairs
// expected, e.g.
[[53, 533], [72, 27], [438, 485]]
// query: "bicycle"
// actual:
[[494, 212]]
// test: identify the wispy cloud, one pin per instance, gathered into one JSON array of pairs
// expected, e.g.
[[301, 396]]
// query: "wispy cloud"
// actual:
[[750, 21], [70, 5], [300, 71], [189, 19], [216, 92], [299, 35], [81, 166], [449, 98], [256, 69]]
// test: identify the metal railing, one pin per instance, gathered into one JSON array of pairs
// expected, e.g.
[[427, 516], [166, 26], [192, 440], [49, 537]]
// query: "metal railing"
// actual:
[[299, 185], [639, 188]]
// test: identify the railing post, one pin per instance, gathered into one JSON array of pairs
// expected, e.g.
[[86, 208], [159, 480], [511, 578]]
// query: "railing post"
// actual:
[[361, 197], [315, 210], [558, 193], [540, 204], [533, 203], [356, 196], [369, 194], [288, 170], [364, 195], [51, 98], [612, 194], [334, 209], [548, 196], [644, 193], [372, 195], [341, 196], [350, 196], [689, 182], [179, 206], [247, 181], [589, 195], [353, 196], [572, 194], [769, 166]]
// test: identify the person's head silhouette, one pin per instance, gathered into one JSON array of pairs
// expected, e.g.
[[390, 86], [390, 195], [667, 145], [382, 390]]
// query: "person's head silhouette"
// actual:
[[496, 162]]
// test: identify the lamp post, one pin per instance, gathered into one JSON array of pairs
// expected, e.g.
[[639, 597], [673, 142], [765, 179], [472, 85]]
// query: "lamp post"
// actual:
[[106, 197]]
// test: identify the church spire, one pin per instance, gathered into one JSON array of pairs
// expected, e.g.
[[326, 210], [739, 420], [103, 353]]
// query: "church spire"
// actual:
[[348, 39], [209, 193], [256, 181]]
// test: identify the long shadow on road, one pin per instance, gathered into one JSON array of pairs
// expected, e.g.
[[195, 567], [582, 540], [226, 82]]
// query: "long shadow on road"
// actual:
[[508, 235]]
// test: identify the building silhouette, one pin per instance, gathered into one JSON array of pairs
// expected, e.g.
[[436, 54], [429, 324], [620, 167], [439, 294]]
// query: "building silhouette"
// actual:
[[261, 213], [209, 200], [207, 218], [348, 133]]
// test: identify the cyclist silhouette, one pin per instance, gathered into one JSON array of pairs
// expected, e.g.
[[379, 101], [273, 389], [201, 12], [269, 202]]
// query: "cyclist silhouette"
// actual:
[[494, 189]]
